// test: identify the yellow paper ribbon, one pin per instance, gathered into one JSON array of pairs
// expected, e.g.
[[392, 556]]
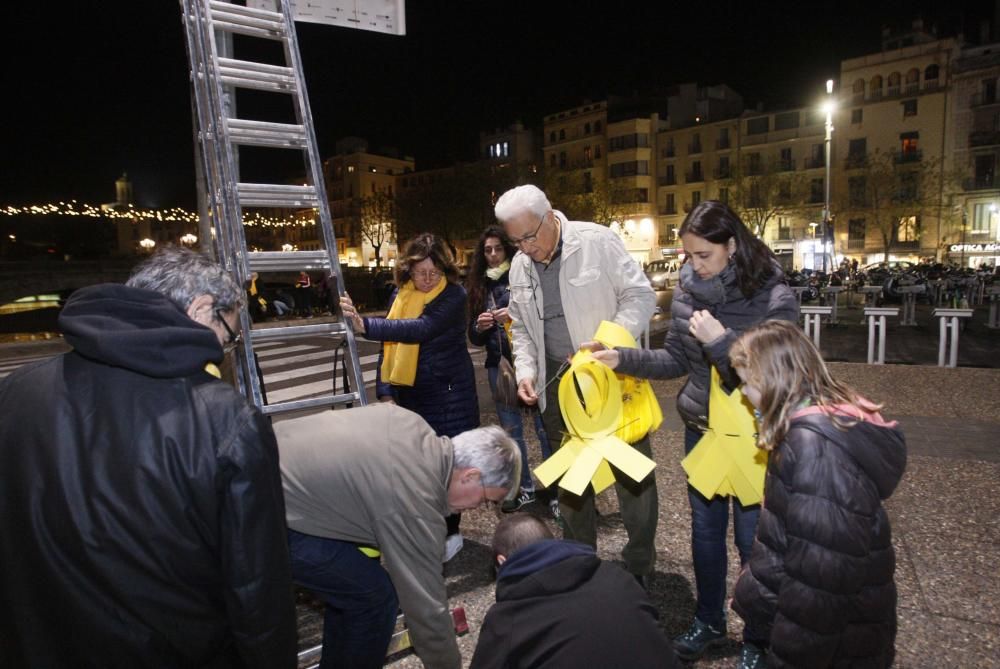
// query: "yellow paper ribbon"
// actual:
[[591, 402], [726, 460]]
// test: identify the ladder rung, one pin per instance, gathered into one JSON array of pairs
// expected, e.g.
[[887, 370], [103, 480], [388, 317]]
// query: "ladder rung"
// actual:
[[262, 133], [286, 261], [276, 195], [247, 74], [284, 332], [247, 21], [312, 402]]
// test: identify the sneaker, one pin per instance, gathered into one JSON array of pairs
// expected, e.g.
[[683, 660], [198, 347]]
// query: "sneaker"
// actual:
[[751, 657], [556, 513], [512, 505], [692, 644], [452, 544]]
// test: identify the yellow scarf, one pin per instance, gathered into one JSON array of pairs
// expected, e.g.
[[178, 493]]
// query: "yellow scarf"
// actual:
[[399, 361]]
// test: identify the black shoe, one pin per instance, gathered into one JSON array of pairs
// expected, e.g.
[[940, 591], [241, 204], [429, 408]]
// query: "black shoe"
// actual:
[[751, 657], [692, 644]]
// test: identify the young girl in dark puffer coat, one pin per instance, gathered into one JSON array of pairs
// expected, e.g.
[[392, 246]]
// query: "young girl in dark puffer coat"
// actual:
[[818, 590]]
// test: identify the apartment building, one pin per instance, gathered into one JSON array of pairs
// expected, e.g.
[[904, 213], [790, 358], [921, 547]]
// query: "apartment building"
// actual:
[[351, 175], [895, 103], [974, 238]]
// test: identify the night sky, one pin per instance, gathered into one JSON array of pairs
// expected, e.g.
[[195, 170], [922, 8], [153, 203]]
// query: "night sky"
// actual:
[[93, 89]]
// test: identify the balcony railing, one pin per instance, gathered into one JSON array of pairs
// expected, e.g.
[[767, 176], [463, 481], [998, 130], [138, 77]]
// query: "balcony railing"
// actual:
[[984, 138], [694, 147], [694, 177], [855, 244], [903, 157], [722, 172], [983, 98], [813, 163], [722, 144], [669, 152], [785, 165], [666, 181], [855, 160], [981, 182], [668, 211]]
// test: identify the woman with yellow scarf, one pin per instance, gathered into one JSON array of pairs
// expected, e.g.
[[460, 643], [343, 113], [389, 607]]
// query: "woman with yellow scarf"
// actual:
[[425, 365]]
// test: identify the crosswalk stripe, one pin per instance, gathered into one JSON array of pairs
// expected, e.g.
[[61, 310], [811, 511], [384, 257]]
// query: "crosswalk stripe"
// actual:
[[307, 389]]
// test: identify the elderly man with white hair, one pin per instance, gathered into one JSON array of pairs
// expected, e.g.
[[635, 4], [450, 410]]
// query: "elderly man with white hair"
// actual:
[[377, 482], [567, 278]]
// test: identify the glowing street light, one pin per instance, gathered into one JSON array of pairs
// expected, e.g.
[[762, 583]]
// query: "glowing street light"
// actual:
[[189, 239], [829, 106], [147, 244]]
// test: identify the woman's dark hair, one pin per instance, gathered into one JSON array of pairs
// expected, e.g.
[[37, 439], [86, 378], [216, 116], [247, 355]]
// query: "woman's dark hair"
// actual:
[[423, 246], [753, 262], [475, 282]]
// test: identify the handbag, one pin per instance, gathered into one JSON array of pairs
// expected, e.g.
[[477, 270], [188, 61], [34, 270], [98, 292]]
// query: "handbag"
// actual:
[[505, 392]]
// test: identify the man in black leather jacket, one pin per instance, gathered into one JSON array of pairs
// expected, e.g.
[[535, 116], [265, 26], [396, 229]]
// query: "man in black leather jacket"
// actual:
[[141, 511]]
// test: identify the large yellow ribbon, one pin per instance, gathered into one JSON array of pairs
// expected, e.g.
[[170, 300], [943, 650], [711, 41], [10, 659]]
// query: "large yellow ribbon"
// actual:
[[591, 402], [399, 360], [726, 460]]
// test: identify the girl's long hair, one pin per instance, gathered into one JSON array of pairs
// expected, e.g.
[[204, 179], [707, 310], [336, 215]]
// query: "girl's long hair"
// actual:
[[475, 282], [782, 363], [754, 262]]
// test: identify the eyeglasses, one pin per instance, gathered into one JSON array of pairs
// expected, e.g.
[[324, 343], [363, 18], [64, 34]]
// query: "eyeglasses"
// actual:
[[487, 502], [233, 338], [429, 275], [529, 239]]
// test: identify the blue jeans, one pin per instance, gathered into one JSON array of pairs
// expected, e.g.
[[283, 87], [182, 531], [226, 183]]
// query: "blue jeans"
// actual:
[[709, 522], [361, 603], [512, 421]]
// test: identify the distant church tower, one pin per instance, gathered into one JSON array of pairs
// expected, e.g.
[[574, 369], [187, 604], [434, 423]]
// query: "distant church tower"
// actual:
[[123, 191]]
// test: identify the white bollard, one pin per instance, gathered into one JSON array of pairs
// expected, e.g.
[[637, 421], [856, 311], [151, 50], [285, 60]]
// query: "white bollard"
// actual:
[[950, 320], [812, 318], [876, 321]]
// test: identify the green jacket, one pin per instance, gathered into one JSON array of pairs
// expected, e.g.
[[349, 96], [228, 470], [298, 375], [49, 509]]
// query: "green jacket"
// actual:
[[378, 476]]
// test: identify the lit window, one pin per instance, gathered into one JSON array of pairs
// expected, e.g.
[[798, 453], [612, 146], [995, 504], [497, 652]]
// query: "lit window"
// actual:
[[350, 168]]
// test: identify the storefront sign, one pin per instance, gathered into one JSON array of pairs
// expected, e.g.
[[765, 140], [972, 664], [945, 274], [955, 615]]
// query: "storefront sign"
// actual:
[[992, 247]]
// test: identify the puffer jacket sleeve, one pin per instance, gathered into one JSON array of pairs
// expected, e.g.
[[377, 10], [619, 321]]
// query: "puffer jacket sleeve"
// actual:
[[438, 316], [668, 362], [253, 545], [829, 511]]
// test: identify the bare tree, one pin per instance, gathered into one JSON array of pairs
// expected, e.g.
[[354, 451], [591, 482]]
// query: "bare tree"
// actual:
[[892, 191], [583, 198], [377, 221], [760, 191]]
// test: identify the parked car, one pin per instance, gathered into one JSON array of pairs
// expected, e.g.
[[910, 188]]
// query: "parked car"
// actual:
[[662, 274]]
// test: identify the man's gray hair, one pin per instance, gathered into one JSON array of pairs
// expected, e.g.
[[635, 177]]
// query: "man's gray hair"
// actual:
[[490, 450], [519, 200], [182, 275]]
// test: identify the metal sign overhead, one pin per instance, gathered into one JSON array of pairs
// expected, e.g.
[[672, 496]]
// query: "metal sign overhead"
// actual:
[[382, 16]]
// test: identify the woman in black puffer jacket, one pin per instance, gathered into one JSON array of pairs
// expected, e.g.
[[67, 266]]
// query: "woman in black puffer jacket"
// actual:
[[730, 281], [818, 590]]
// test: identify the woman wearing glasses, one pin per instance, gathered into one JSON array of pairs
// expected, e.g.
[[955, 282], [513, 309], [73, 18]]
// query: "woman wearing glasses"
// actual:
[[730, 281], [424, 365], [489, 294]]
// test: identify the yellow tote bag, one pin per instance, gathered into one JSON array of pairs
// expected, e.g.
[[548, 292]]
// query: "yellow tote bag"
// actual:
[[726, 460]]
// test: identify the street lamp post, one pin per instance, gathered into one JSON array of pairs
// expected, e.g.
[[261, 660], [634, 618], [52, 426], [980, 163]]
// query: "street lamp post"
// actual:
[[828, 107]]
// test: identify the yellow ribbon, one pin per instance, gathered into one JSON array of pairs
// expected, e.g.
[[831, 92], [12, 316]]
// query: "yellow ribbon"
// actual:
[[726, 460], [592, 405]]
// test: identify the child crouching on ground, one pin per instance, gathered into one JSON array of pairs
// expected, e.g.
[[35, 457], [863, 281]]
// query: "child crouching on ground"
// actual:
[[818, 590]]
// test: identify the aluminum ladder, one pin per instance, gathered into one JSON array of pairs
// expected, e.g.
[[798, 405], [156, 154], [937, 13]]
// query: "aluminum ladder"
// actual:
[[209, 26]]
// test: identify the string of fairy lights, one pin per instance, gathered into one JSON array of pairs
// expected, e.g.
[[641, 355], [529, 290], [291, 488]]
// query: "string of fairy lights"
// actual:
[[135, 214]]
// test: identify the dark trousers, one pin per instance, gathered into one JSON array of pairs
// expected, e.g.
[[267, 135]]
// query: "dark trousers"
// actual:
[[360, 599], [709, 523], [638, 502]]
